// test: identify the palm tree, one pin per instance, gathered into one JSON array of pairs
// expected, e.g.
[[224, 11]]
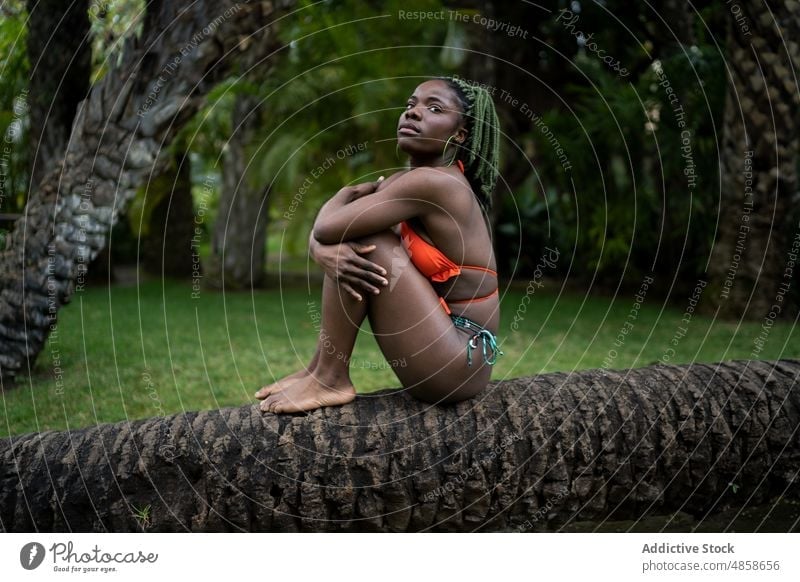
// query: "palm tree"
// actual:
[[129, 115], [528, 454], [760, 142], [60, 55]]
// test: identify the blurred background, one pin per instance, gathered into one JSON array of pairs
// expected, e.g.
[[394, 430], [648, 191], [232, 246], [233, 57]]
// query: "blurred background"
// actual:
[[649, 161]]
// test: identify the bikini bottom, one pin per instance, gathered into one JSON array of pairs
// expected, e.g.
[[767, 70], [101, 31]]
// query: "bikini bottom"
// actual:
[[481, 334]]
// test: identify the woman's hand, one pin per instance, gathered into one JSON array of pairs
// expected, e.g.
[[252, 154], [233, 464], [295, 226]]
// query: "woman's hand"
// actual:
[[344, 264], [359, 190]]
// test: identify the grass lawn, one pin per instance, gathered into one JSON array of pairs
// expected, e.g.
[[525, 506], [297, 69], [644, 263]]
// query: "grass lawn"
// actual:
[[136, 352]]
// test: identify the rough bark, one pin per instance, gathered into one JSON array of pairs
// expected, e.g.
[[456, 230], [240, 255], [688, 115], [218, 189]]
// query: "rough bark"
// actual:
[[528, 454], [760, 142], [60, 55], [238, 254], [137, 108]]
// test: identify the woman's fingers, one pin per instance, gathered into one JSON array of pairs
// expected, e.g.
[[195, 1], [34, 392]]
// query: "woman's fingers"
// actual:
[[371, 272], [362, 272], [350, 290], [367, 270], [366, 264], [367, 267], [359, 248], [362, 282]]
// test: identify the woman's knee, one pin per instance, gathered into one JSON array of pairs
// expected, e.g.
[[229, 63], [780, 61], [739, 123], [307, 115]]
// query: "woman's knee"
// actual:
[[383, 237], [387, 248]]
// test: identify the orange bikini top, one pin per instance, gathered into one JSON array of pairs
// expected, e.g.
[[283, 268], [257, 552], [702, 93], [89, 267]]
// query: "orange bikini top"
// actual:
[[429, 260]]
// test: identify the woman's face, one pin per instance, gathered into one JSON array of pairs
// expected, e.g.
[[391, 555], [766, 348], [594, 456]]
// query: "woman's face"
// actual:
[[432, 115]]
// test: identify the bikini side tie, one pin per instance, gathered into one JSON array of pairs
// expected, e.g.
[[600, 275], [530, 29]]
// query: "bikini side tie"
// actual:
[[482, 334]]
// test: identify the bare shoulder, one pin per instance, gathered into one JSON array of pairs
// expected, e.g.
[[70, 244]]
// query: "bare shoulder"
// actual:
[[441, 185]]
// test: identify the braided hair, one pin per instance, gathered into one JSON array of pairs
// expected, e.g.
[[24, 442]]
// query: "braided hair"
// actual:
[[481, 150]]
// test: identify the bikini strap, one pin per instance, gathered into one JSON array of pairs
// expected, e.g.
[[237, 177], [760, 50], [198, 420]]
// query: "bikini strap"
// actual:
[[460, 165], [474, 299], [479, 269]]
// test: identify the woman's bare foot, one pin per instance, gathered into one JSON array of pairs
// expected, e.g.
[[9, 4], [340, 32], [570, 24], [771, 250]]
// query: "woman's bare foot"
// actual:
[[281, 384], [309, 393]]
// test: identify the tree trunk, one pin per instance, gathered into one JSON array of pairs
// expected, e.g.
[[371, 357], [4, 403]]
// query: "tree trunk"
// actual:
[[135, 110], [60, 54], [167, 246], [759, 163], [528, 454], [238, 255]]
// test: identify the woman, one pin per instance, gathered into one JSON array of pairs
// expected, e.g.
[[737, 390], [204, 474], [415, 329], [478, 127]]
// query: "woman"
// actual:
[[433, 301]]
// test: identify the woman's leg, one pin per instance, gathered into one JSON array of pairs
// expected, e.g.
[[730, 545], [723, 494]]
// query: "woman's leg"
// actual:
[[327, 381], [356, 312], [427, 351]]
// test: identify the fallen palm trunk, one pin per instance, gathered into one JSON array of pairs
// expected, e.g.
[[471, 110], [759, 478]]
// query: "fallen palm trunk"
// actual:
[[527, 454]]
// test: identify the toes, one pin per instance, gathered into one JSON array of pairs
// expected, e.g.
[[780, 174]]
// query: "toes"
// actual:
[[278, 404], [276, 408], [282, 403], [270, 392], [270, 401], [265, 391]]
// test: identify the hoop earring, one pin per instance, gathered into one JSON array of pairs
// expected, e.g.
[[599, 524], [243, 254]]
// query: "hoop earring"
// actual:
[[444, 151]]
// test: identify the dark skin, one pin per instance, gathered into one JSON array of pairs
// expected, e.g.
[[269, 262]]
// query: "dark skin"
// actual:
[[403, 306]]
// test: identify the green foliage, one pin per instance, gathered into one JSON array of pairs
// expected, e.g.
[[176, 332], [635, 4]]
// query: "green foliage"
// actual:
[[143, 516], [534, 217], [632, 205], [110, 22], [14, 69], [698, 77], [613, 197]]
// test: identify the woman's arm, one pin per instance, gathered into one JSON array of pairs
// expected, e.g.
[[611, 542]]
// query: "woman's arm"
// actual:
[[353, 212], [345, 265]]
